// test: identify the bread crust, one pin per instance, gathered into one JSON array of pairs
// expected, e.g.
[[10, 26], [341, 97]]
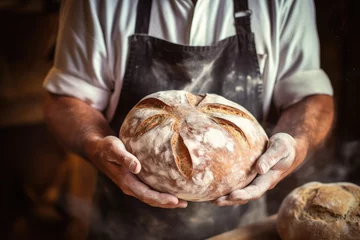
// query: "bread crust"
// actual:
[[321, 211], [197, 147]]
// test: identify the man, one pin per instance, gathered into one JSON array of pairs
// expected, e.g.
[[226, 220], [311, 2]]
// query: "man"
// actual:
[[110, 54]]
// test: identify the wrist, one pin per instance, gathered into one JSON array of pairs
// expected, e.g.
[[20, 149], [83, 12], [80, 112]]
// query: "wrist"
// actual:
[[91, 139], [302, 142], [302, 148], [90, 146]]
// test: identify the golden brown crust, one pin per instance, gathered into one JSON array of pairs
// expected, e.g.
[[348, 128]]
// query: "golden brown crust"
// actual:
[[197, 147], [320, 211]]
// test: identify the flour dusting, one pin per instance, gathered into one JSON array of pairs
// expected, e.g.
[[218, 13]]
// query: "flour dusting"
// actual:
[[215, 138], [203, 178], [230, 146], [174, 174], [215, 161]]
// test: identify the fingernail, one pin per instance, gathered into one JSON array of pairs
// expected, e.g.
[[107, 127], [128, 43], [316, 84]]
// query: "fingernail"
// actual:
[[263, 167], [133, 166]]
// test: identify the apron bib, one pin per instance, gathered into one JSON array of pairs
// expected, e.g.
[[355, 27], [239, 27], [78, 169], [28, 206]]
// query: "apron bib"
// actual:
[[228, 68]]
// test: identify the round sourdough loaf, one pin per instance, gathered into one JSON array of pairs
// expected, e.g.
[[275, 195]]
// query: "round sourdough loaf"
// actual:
[[321, 211], [197, 147]]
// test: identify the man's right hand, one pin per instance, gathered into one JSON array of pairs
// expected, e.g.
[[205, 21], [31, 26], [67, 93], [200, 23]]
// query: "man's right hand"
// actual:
[[82, 129], [109, 155]]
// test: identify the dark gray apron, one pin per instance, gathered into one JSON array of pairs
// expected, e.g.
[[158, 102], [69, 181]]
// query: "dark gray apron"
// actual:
[[228, 68]]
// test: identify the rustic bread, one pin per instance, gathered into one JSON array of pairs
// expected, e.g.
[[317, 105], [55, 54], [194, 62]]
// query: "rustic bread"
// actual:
[[197, 147], [321, 211]]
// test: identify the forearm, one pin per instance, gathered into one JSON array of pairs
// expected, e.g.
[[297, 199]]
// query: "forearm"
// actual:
[[308, 121], [76, 124], [301, 127]]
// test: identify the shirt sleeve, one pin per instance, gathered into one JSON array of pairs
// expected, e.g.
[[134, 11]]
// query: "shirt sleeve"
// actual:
[[81, 66], [299, 73]]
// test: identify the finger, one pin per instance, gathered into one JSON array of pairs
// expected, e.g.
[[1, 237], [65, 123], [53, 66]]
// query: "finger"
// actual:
[[257, 188], [275, 153], [225, 201], [149, 196], [118, 174], [280, 146], [181, 204], [119, 155]]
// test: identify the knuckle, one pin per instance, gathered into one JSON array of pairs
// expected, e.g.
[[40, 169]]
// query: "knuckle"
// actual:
[[277, 143], [107, 140], [118, 155], [111, 145], [106, 149], [281, 139], [125, 161]]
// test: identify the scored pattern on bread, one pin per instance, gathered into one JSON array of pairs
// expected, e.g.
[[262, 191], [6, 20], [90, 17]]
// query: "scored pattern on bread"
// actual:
[[194, 100], [182, 155], [339, 206], [150, 123], [232, 129], [217, 108], [153, 103], [180, 151], [328, 209]]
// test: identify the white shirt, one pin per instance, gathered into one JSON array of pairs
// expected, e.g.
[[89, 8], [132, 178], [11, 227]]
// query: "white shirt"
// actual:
[[92, 45]]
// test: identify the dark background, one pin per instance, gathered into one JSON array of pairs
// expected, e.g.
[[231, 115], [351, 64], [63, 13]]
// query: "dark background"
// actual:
[[46, 191]]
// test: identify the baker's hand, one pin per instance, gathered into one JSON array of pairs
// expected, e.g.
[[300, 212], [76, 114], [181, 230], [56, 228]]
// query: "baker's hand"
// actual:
[[282, 156], [111, 157]]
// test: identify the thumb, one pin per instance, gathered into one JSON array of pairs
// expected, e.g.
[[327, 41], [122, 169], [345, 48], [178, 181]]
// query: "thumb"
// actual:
[[280, 146], [119, 155]]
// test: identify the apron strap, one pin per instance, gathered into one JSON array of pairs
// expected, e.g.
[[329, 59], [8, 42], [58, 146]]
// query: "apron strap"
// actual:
[[242, 15], [143, 16]]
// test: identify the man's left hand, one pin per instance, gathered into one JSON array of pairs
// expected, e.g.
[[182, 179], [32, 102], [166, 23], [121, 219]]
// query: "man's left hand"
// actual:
[[282, 156]]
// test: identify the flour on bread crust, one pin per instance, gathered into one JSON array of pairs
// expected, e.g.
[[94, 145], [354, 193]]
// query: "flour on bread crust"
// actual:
[[197, 151]]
